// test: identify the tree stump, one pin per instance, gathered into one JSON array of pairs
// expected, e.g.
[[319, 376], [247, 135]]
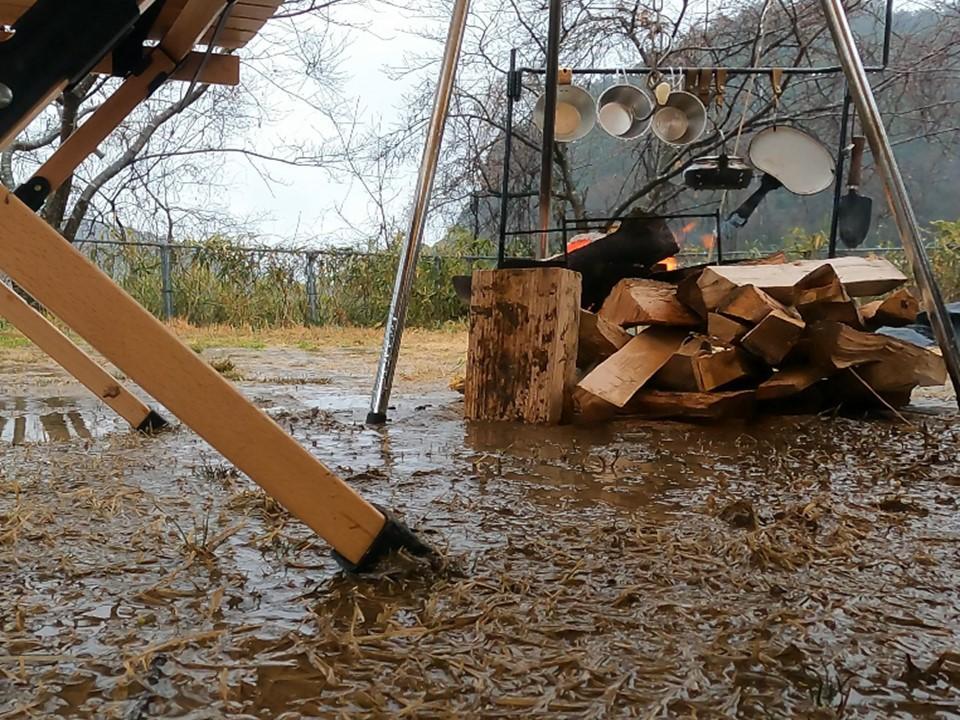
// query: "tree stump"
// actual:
[[522, 356]]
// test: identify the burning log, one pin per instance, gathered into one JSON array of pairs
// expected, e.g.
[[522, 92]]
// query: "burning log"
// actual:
[[637, 245]]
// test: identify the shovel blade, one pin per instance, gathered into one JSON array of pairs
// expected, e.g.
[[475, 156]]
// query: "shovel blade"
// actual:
[[854, 214]]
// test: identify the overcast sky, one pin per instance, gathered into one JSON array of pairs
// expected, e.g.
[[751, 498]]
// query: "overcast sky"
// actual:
[[302, 204]]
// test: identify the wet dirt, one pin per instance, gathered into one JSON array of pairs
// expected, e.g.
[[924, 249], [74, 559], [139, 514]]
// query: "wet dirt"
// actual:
[[787, 567]]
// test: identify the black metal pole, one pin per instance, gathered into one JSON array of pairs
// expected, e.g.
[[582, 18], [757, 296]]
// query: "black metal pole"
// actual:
[[680, 70], [887, 31], [719, 223], [838, 176], [549, 122], [513, 92], [476, 216]]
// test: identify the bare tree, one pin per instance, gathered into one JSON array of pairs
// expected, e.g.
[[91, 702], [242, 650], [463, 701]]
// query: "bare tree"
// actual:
[[608, 177], [158, 169]]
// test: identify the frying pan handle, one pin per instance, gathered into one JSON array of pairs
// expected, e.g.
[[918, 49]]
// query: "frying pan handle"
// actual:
[[738, 218], [856, 161]]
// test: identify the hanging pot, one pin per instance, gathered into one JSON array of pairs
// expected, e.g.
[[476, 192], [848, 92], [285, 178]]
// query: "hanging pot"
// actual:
[[788, 158], [576, 110], [681, 120], [718, 172], [624, 110]]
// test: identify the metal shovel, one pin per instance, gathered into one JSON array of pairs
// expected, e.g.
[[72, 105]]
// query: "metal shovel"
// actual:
[[855, 209]]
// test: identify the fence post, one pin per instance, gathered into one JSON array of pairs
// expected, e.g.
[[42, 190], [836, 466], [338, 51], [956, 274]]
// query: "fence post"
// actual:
[[311, 288], [167, 283]]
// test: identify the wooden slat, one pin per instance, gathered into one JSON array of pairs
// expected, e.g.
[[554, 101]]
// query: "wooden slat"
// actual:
[[75, 361], [219, 69], [246, 19], [76, 291]]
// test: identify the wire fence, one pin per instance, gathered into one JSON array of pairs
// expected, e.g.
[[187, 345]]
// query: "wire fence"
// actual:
[[220, 282]]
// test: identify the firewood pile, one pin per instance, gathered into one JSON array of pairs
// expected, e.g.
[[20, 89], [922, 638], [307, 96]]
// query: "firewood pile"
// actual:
[[762, 336]]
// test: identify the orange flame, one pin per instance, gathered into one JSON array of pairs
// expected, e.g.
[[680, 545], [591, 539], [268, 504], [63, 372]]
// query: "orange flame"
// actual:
[[708, 240], [669, 263]]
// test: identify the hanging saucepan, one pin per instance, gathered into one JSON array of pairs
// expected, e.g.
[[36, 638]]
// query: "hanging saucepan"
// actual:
[[718, 172], [624, 110], [576, 110], [788, 158]]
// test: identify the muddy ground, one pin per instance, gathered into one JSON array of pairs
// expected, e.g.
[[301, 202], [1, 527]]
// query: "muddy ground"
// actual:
[[784, 567]]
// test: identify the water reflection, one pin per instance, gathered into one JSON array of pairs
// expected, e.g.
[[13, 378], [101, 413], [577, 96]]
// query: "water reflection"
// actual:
[[55, 419]]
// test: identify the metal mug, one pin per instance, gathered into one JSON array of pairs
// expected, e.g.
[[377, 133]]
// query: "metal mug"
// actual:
[[681, 120], [624, 110]]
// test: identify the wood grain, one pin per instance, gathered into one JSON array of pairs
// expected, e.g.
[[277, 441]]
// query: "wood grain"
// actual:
[[522, 354], [88, 301]]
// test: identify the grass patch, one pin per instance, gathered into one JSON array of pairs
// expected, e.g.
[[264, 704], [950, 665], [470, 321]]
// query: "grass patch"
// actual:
[[11, 339], [225, 367]]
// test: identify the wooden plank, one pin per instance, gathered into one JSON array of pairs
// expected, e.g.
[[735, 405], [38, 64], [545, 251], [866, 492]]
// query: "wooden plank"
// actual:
[[719, 367], [599, 339], [219, 69], [636, 302], [726, 329], [699, 366], [71, 287], [678, 372], [46, 336], [820, 295], [116, 108], [790, 381], [893, 364], [898, 309], [693, 406], [773, 337], [246, 19], [521, 359], [618, 377], [861, 276], [750, 304]]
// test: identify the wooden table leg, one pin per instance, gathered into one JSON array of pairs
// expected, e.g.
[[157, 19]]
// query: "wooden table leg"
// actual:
[[75, 361], [88, 301]]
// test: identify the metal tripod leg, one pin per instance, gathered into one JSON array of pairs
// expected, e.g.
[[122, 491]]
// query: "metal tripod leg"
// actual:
[[407, 266], [896, 191]]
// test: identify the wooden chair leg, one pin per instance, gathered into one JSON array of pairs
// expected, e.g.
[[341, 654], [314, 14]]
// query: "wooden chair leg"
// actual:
[[36, 257], [75, 361]]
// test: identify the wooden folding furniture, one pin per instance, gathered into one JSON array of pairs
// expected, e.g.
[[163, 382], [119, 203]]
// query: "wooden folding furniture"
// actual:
[[55, 44]]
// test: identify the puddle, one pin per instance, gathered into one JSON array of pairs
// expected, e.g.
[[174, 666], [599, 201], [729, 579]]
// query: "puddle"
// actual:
[[786, 567], [27, 420]]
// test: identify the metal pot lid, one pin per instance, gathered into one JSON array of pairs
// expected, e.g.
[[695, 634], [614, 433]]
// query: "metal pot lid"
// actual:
[[799, 161]]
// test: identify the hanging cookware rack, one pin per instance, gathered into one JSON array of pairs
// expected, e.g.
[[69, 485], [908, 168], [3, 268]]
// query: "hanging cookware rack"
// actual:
[[515, 79]]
